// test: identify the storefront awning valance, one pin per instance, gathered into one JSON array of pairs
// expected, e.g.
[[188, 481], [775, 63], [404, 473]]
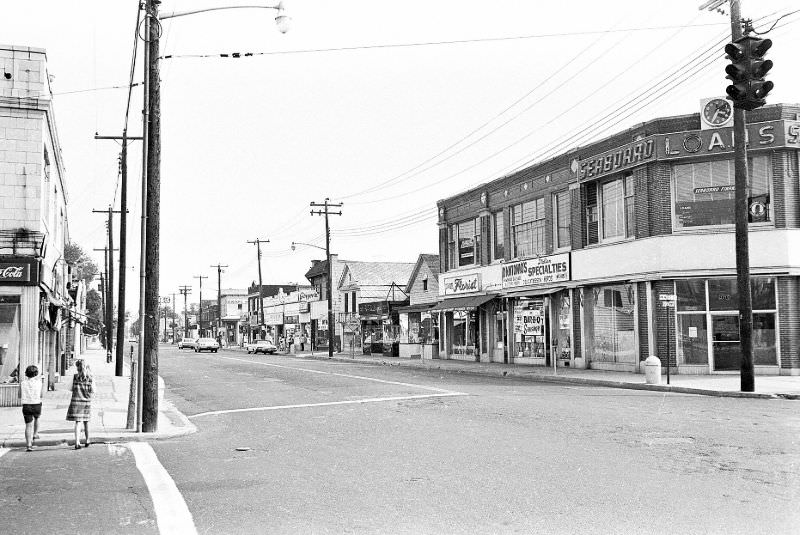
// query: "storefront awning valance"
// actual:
[[534, 292], [463, 303], [421, 307]]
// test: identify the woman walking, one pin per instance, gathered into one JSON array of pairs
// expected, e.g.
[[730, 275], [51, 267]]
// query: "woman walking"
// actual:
[[80, 407]]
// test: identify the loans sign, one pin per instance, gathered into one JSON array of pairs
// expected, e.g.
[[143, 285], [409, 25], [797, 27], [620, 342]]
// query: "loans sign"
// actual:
[[551, 269]]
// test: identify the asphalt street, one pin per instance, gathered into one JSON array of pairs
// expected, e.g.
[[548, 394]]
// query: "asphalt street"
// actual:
[[292, 445]]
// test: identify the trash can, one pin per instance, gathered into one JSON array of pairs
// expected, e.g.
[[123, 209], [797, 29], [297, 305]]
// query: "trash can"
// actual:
[[652, 370]]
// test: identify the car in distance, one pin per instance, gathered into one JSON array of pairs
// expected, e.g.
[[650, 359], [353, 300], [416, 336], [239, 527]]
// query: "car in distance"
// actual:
[[206, 344], [262, 346], [187, 343]]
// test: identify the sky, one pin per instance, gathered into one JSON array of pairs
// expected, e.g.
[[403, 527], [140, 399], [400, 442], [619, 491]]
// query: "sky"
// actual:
[[385, 107]]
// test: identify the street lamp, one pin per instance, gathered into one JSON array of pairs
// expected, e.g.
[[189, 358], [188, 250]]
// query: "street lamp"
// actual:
[[151, 196], [294, 243]]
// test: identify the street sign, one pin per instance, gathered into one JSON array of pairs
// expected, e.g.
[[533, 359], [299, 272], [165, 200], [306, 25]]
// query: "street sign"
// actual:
[[164, 300], [668, 297]]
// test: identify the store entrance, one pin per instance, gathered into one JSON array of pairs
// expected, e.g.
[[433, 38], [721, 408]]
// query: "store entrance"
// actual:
[[725, 343]]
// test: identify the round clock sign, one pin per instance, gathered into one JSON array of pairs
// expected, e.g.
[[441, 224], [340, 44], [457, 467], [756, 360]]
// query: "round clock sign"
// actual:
[[716, 112]]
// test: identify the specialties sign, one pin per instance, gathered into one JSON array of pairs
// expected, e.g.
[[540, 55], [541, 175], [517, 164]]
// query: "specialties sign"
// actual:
[[536, 271]]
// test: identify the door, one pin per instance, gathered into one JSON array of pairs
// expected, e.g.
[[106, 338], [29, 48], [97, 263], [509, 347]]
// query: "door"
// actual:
[[725, 343]]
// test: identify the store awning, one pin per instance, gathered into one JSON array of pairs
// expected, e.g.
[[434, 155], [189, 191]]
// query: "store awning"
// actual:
[[421, 307], [463, 303], [534, 292]]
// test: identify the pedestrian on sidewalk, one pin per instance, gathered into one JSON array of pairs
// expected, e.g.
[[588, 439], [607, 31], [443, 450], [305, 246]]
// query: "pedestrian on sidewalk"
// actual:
[[31, 404], [80, 406]]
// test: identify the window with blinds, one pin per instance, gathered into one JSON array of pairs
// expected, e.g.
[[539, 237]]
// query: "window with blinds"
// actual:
[[561, 219], [704, 192]]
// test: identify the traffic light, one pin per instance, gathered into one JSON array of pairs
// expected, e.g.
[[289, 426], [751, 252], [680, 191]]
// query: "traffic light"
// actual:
[[747, 70]]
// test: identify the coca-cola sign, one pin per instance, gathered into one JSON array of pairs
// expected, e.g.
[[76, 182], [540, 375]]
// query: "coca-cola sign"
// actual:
[[18, 272]]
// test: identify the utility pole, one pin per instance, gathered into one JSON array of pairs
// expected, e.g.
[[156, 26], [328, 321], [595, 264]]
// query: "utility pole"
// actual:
[[123, 244], [174, 304], [258, 243], [108, 300], [329, 282], [200, 318], [219, 296], [747, 374], [110, 287], [152, 208], [185, 290]]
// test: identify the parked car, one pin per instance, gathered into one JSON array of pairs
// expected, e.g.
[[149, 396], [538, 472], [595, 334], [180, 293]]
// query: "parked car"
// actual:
[[206, 344], [262, 346], [187, 343]]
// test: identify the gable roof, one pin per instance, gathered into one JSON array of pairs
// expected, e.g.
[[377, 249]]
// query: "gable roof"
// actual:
[[377, 274], [431, 260]]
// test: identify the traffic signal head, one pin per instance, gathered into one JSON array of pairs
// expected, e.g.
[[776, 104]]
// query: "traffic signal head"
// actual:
[[747, 70]]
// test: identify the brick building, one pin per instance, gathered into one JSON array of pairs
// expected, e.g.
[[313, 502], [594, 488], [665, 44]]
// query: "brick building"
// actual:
[[34, 276], [566, 262]]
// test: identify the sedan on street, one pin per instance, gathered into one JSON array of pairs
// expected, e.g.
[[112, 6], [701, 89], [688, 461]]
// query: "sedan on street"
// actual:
[[187, 343], [206, 344], [262, 346]]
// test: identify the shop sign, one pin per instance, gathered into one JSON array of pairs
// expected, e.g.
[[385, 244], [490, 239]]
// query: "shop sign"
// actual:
[[619, 159], [528, 322], [305, 306], [9, 299], [308, 295], [273, 318], [720, 140], [291, 319], [377, 308], [551, 269], [19, 273], [322, 325], [462, 284], [766, 135]]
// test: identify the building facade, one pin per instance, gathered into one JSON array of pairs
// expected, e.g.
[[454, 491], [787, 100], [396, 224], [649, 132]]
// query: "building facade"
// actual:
[[317, 276], [625, 248], [34, 276], [234, 315], [419, 327]]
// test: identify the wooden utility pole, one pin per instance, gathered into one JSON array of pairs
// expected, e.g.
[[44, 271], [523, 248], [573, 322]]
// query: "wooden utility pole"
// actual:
[[123, 244], [185, 291], [109, 251], [108, 300], [200, 317], [174, 304], [258, 243], [219, 296], [153, 210], [329, 283], [747, 373]]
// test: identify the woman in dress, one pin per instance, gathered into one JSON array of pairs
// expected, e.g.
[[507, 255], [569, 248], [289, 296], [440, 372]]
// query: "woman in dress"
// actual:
[[80, 406]]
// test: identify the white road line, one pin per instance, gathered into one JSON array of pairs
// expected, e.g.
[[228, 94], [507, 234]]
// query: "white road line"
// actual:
[[172, 514], [329, 403], [422, 387], [3, 451]]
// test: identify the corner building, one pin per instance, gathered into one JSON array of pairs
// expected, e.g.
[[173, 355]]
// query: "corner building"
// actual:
[[573, 261]]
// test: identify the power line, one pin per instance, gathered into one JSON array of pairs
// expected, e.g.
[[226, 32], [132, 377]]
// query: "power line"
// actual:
[[238, 55]]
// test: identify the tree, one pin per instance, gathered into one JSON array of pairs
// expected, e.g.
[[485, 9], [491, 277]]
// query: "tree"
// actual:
[[83, 266]]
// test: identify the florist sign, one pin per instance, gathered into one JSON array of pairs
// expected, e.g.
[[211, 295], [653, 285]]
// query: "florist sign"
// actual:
[[462, 284], [534, 271]]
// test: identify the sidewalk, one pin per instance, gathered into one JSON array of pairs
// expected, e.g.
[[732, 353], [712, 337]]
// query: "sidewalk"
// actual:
[[767, 386], [109, 411]]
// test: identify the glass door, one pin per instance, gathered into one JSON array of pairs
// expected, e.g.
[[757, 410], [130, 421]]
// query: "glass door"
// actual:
[[725, 343]]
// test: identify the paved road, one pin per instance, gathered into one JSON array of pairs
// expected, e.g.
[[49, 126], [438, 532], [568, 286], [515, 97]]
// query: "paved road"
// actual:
[[343, 448]]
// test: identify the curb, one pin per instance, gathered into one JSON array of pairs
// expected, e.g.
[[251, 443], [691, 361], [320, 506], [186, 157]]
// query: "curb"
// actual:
[[532, 376]]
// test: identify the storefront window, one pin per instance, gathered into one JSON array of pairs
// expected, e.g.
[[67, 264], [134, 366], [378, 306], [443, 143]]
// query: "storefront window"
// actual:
[[704, 192], [610, 323], [464, 332], [411, 325], [561, 337], [691, 295], [529, 325], [764, 349], [429, 328], [9, 338], [692, 339], [528, 228]]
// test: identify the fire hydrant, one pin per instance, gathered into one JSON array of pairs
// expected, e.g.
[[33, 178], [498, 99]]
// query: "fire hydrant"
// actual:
[[652, 370]]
